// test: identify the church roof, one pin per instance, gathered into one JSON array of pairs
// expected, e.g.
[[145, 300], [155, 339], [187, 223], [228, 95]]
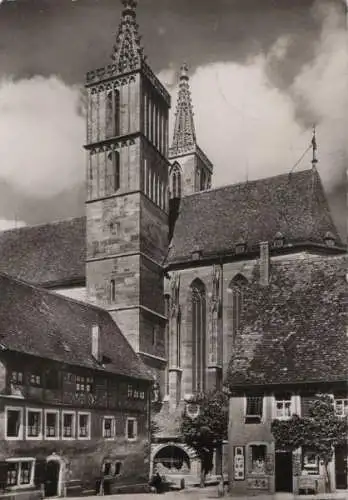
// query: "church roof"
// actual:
[[294, 329], [41, 323], [214, 221], [46, 254]]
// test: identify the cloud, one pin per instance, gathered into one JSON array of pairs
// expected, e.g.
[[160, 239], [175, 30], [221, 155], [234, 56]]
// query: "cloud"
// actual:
[[10, 224], [250, 128], [41, 135]]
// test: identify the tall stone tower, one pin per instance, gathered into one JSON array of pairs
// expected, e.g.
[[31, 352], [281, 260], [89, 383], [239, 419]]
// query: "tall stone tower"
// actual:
[[127, 186], [190, 171]]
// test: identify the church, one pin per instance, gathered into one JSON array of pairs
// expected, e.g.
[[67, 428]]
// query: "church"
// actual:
[[167, 255]]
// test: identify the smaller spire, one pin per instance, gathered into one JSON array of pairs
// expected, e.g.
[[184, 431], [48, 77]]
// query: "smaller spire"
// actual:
[[128, 52], [184, 138], [314, 147]]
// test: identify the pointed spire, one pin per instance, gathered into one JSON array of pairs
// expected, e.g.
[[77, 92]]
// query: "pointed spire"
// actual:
[[128, 52], [184, 138], [314, 148]]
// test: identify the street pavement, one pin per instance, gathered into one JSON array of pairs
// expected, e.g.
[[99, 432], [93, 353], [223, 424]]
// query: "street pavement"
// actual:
[[212, 492]]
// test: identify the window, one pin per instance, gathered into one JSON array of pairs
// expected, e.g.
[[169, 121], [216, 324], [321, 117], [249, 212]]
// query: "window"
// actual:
[[108, 427], [112, 290], [84, 425], [20, 472], [258, 459], [203, 180], [310, 463], [283, 406], [16, 378], [236, 293], [253, 413], [131, 429], [111, 468], [176, 182], [130, 391], [198, 301], [51, 424], [14, 423], [35, 379], [68, 425], [112, 113], [341, 407], [34, 424], [84, 384], [112, 181]]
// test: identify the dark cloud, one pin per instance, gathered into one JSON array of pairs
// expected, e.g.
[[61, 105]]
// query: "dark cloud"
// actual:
[[44, 37], [67, 38]]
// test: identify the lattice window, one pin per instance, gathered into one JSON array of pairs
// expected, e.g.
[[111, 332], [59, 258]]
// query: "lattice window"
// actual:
[[254, 409], [84, 384], [283, 406]]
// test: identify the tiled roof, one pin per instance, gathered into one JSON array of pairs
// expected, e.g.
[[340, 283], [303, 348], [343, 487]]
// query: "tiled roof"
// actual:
[[214, 221], [49, 253], [294, 329], [41, 323]]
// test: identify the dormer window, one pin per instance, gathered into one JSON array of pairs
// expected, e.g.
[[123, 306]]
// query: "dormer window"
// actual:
[[240, 247], [196, 254], [279, 239], [329, 239]]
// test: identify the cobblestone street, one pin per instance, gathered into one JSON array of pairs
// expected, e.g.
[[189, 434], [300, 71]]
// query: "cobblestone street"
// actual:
[[212, 492]]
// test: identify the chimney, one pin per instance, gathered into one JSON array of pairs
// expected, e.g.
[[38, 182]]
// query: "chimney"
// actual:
[[264, 263], [96, 347]]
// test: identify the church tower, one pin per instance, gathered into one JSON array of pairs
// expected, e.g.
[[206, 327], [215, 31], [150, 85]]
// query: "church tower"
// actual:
[[190, 171], [127, 186]]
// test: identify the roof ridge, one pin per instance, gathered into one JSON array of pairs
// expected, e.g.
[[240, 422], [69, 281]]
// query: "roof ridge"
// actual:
[[43, 224], [64, 298], [253, 181]]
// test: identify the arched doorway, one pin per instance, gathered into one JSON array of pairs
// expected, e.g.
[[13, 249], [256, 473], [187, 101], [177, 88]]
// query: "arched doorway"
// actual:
[[172, 459], [52, 478]]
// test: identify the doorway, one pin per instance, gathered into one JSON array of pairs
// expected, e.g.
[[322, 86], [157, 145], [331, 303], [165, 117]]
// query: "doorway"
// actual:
[[52, 478], [283, 471], [341, 469]]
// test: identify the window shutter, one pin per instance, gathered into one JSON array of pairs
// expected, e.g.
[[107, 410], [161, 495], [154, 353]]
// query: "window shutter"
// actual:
[[3, 475], [40, 472]]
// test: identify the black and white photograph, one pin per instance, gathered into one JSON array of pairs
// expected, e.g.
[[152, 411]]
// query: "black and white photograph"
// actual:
[[173, 249]]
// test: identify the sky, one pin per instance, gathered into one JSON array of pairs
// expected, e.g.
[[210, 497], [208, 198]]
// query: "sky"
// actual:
[[261, 74]]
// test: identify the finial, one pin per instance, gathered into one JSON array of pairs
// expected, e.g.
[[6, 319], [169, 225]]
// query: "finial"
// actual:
[[184, 72], [128, 52], [129, 4], [314, 147]]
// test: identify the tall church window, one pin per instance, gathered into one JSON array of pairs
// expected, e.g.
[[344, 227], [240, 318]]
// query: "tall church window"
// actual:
[[109, 132], [112, 181], [198, 302], [176, 182], [112, 290], [236, 290], [146, 178], [146, 117], [117, 112], [112, 113]]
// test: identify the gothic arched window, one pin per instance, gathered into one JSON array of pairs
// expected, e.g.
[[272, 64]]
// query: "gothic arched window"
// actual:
[[236, 291], [112, 180], [199, 364], [112, 113], [176, 182]]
